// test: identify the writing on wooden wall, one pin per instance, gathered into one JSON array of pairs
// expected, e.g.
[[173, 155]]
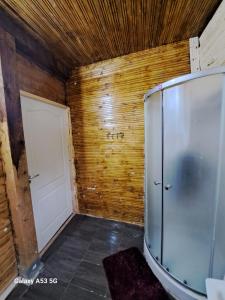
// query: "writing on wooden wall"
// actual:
[[112, 136], [107, 111]]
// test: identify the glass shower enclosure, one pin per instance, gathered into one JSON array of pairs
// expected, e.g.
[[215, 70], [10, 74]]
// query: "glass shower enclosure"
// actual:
[[185, 177]]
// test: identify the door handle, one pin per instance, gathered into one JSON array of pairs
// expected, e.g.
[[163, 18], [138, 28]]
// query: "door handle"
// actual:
[[157, 182], [168, 187], [32, 177]]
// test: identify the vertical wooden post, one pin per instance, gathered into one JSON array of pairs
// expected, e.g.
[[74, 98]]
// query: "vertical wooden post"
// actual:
[[14, 158]]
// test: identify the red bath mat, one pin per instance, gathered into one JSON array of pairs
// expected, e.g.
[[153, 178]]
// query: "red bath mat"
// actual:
[[130, 278]]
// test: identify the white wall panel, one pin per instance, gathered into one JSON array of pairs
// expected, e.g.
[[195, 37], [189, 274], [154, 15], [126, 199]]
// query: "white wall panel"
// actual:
[[212, 41]]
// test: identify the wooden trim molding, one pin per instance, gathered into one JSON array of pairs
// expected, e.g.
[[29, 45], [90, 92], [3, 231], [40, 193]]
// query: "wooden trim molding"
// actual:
[[35, 97], [14, 157], [194, 54], [72, 166]]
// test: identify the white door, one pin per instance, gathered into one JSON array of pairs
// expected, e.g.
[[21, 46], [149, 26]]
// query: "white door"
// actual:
[[47, 146]]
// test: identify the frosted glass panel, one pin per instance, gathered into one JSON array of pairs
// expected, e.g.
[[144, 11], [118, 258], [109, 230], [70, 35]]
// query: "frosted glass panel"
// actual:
[[153, 174], [191, 145], [218, 270]]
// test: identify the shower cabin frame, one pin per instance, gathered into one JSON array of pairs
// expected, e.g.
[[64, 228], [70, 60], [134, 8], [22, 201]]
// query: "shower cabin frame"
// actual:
[[173, 285]]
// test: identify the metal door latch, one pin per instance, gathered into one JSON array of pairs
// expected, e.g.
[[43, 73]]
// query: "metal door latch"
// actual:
[[32, 177]]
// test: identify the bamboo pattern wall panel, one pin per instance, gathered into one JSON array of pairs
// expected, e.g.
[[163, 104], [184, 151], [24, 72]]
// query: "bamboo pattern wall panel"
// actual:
[[8, 266], [8, 263], [107, 110]]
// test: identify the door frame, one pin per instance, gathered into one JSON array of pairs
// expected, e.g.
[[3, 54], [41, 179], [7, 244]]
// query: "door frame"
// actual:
[[72, 175]]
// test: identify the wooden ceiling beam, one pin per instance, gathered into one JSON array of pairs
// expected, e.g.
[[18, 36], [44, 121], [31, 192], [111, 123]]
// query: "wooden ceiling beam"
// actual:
[[32, 48]]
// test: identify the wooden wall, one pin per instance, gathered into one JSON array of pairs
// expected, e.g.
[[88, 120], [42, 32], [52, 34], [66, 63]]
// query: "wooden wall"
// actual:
[[36, 81], [8, 264], [106, 101], [18, 246]]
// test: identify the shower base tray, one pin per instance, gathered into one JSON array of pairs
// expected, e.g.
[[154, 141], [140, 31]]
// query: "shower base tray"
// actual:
[[173, 287]]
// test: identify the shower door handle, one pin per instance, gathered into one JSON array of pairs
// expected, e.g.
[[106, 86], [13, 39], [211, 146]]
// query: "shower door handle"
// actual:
[[157, 182], [168, 187]]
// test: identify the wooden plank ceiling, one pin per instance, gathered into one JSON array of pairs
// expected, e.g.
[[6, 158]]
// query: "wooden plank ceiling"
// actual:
[[86, 31]]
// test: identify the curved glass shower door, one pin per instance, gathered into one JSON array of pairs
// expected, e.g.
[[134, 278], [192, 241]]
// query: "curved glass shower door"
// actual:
[[192, 123], [153, 174]]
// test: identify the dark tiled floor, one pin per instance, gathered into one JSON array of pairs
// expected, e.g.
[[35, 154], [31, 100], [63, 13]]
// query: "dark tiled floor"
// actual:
[[75, 259]]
